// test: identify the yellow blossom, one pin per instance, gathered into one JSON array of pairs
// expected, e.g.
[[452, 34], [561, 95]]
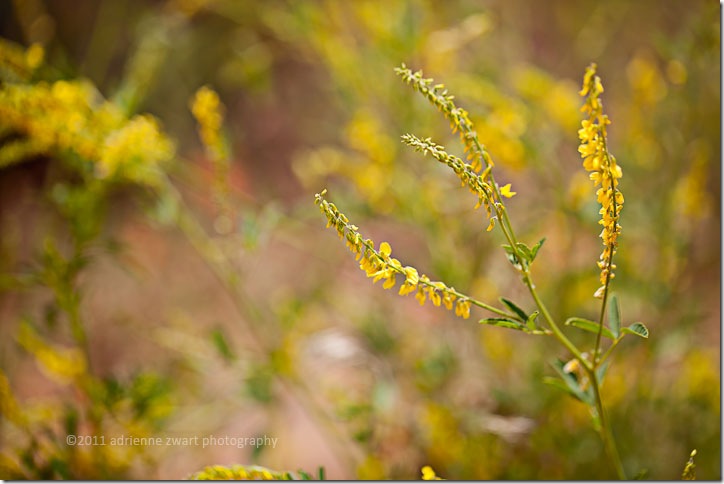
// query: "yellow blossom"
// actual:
[[605, 172], [506, 191], [379, 264], [429, 475], [458, 117], [71, 117]]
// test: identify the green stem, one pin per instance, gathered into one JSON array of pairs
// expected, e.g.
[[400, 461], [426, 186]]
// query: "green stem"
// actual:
[[609, 350], [605, 430]]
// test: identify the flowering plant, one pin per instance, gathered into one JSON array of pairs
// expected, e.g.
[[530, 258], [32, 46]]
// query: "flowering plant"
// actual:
[[582, 375]]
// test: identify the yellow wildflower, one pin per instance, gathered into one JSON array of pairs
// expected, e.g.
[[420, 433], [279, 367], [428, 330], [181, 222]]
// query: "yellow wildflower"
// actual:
[[209, 113], [458, 117], [72, 117], [429, 475], [477, 184], [605, 173], [507, 192], [379, 264]]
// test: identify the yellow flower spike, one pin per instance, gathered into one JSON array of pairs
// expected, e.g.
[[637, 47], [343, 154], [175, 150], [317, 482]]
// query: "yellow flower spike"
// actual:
[[506, 192], [458, 117], [378, 264], [605, 172]]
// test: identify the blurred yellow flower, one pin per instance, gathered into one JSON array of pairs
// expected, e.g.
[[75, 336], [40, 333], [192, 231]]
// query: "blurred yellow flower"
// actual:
[[429, 475]]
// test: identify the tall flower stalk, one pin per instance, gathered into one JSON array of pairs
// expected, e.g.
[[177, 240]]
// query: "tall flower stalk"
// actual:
[[583, 374]]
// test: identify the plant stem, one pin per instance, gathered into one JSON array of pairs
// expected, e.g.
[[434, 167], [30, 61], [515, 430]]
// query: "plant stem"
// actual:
[[605, 430]]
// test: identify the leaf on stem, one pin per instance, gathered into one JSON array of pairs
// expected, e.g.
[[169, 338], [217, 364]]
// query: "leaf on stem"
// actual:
[[588, 325], [503, 323], [515, 308], [569, 384], [536, 248], [614, 316], [639, 329]]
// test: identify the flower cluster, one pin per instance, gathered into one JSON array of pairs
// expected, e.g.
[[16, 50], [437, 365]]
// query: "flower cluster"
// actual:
[[71, 117], [458, 117], [605, 173], [243, 473], [478, 184], [209, 113], [428, 474], [17, 63], [379, 264]]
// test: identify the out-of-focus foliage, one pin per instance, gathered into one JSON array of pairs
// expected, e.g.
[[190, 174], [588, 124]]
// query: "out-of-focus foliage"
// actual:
[[249, 473], [142, 296]]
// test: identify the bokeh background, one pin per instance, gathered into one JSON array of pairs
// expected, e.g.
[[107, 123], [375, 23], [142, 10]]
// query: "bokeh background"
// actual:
[[235, 313]]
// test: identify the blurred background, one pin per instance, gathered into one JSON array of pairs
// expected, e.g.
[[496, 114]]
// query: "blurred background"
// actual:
[[219, 304]]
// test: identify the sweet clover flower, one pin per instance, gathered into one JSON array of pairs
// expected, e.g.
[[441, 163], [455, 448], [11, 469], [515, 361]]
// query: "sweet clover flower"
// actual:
[[378, 264], [72, 118], [604, 172], [458, 117]]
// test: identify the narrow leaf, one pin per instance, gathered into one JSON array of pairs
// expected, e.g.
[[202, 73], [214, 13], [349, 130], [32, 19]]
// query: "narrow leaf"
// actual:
[[503, 323], [614, 316], [639, 329], [588, 325], [515, 308], [536, 248], [570, 381], [558, 383], [219, 339], [524, 250]]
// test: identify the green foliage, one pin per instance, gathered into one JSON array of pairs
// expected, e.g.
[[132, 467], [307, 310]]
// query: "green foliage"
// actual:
[[188, 292]]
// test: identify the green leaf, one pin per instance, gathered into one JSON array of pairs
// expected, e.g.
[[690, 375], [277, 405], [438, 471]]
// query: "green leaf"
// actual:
[[530, 322], [558, 383], [524, 250], [588, 325], [614, 316], [571, 384], [536, 248], [503, 323], [218, 338], [639, 329], [515, 308]]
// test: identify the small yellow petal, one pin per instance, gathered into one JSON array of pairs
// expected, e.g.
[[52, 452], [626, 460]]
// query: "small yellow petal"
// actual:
[[506, 192], [385, 249]]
